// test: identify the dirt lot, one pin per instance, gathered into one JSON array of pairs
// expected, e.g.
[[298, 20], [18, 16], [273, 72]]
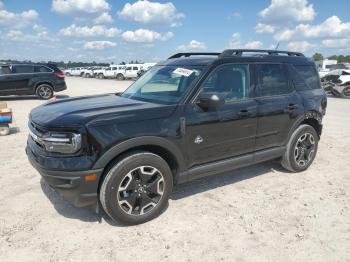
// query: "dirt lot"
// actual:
[[260, 213]]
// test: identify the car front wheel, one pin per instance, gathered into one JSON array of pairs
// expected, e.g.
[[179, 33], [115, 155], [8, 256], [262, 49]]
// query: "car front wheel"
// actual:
[[137, 188]]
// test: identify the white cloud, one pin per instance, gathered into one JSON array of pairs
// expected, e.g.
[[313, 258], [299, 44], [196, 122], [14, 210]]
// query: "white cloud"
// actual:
[[98, 45], [38, 38], [253, 45], [192, 46], [151, 13], [300, 46], [337, 43], [261, 28], [104, 18], [145, 36], [80, 7], [85, 31], [17, 20], [285, 11], [331, 27], [2, 6], [236, 42]]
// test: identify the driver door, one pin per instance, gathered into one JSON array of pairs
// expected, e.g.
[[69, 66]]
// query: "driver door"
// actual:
[[214, 134]]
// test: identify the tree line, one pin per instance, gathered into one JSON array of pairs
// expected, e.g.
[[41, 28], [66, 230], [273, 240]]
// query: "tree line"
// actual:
[[339, 58]]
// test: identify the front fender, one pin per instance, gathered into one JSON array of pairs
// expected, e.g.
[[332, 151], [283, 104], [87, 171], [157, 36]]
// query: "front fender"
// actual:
[[124, 146]]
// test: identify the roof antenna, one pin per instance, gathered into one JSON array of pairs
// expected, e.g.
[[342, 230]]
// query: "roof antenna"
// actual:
[[278, 44]]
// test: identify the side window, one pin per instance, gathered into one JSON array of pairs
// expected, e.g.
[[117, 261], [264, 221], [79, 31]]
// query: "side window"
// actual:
[[231, 81], [272, 80], [5, 70], [128, 68], [135, 68], [21, 69], [41, 69], [309, 75]]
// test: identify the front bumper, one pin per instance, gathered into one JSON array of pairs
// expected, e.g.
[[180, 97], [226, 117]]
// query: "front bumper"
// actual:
[[71, 185]]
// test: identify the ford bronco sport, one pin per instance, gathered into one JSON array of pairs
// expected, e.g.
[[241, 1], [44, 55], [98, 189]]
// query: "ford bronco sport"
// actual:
[[193, 115]]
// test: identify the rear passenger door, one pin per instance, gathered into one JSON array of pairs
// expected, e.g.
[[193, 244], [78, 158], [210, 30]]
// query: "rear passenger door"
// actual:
[[278, 103], [22, 76]]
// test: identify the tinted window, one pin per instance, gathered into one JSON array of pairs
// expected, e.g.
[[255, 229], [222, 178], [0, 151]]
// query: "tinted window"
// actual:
[[309, 75], [19, 69], [272, 80], [135, 68], [231, 81], [5, 70], [128, 68], [42, 69]]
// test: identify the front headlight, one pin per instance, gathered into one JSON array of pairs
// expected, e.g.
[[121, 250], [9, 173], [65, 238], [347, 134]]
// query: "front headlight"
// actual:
[[65, 143]]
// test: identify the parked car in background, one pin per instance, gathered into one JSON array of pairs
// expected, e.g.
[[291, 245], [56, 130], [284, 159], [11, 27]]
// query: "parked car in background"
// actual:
[[90, 71], [131, 70], [193, 115], [76, 71], [31, 79], [113, 71]]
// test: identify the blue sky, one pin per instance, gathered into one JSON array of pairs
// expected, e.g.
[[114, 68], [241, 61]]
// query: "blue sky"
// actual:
[[115, 30]]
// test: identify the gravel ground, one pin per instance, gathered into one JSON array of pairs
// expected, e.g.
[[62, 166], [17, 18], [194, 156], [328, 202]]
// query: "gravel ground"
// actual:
[[260, 213]]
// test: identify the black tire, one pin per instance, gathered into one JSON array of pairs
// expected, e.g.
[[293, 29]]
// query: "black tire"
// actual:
[[120, 77], [100, 76], [44, 91], [68, 74], [300, 154], [4, 129], [115, 198], [345, 93]]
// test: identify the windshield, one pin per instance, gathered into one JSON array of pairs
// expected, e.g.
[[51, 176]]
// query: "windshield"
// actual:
[[163, 84]]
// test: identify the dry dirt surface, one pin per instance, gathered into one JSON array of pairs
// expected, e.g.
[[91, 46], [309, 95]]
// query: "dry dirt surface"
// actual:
[[260, 213]]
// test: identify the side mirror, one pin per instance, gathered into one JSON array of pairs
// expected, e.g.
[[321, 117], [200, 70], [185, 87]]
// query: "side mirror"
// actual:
[[210, 99]]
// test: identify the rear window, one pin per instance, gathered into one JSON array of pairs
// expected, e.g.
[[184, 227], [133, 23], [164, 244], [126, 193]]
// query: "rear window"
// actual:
[[309, 75], [22, 69]]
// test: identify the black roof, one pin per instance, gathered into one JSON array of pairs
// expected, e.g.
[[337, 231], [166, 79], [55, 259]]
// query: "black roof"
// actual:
[[238, 55]]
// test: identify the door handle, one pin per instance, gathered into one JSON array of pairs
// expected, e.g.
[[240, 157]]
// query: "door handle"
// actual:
[[292, 107], [243, 112]]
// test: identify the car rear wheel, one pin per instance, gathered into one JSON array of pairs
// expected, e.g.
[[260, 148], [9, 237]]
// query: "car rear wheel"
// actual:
[[301, 149], [137, 188], [100, 76], [44, 91], [68, 74], [346, 92], [120, 77]]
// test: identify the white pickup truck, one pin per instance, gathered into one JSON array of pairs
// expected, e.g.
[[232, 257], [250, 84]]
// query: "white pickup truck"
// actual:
[[76, 71], [113, 71]]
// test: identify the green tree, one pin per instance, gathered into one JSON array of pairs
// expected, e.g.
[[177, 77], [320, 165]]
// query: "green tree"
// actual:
[[317, 57]]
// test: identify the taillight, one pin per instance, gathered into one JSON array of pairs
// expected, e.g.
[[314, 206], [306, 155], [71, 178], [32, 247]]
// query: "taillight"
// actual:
[[59, 74]]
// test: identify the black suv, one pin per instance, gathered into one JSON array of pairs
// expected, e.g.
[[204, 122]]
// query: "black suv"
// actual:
[[193, 115], [31, 79]]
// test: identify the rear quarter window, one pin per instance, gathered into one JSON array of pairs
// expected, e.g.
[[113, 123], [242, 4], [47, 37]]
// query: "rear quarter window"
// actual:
[[309, 75], [42, 69]]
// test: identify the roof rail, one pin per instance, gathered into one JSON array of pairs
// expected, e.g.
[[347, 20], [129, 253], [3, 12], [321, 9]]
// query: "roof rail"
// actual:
[[239, 52], [178, 55]]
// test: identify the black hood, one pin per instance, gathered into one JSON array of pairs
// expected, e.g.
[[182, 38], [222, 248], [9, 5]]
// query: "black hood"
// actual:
[[96, 109]]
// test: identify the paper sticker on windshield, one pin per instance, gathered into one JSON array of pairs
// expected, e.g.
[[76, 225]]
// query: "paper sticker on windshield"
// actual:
[[183, 71]]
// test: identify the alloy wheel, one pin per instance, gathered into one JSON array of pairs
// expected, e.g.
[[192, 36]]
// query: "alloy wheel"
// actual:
[[140, 190], [304, 149], [45, 92]]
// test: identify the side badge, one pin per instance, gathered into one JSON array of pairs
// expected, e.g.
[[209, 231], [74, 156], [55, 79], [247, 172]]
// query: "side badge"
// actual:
[[198, 140]]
